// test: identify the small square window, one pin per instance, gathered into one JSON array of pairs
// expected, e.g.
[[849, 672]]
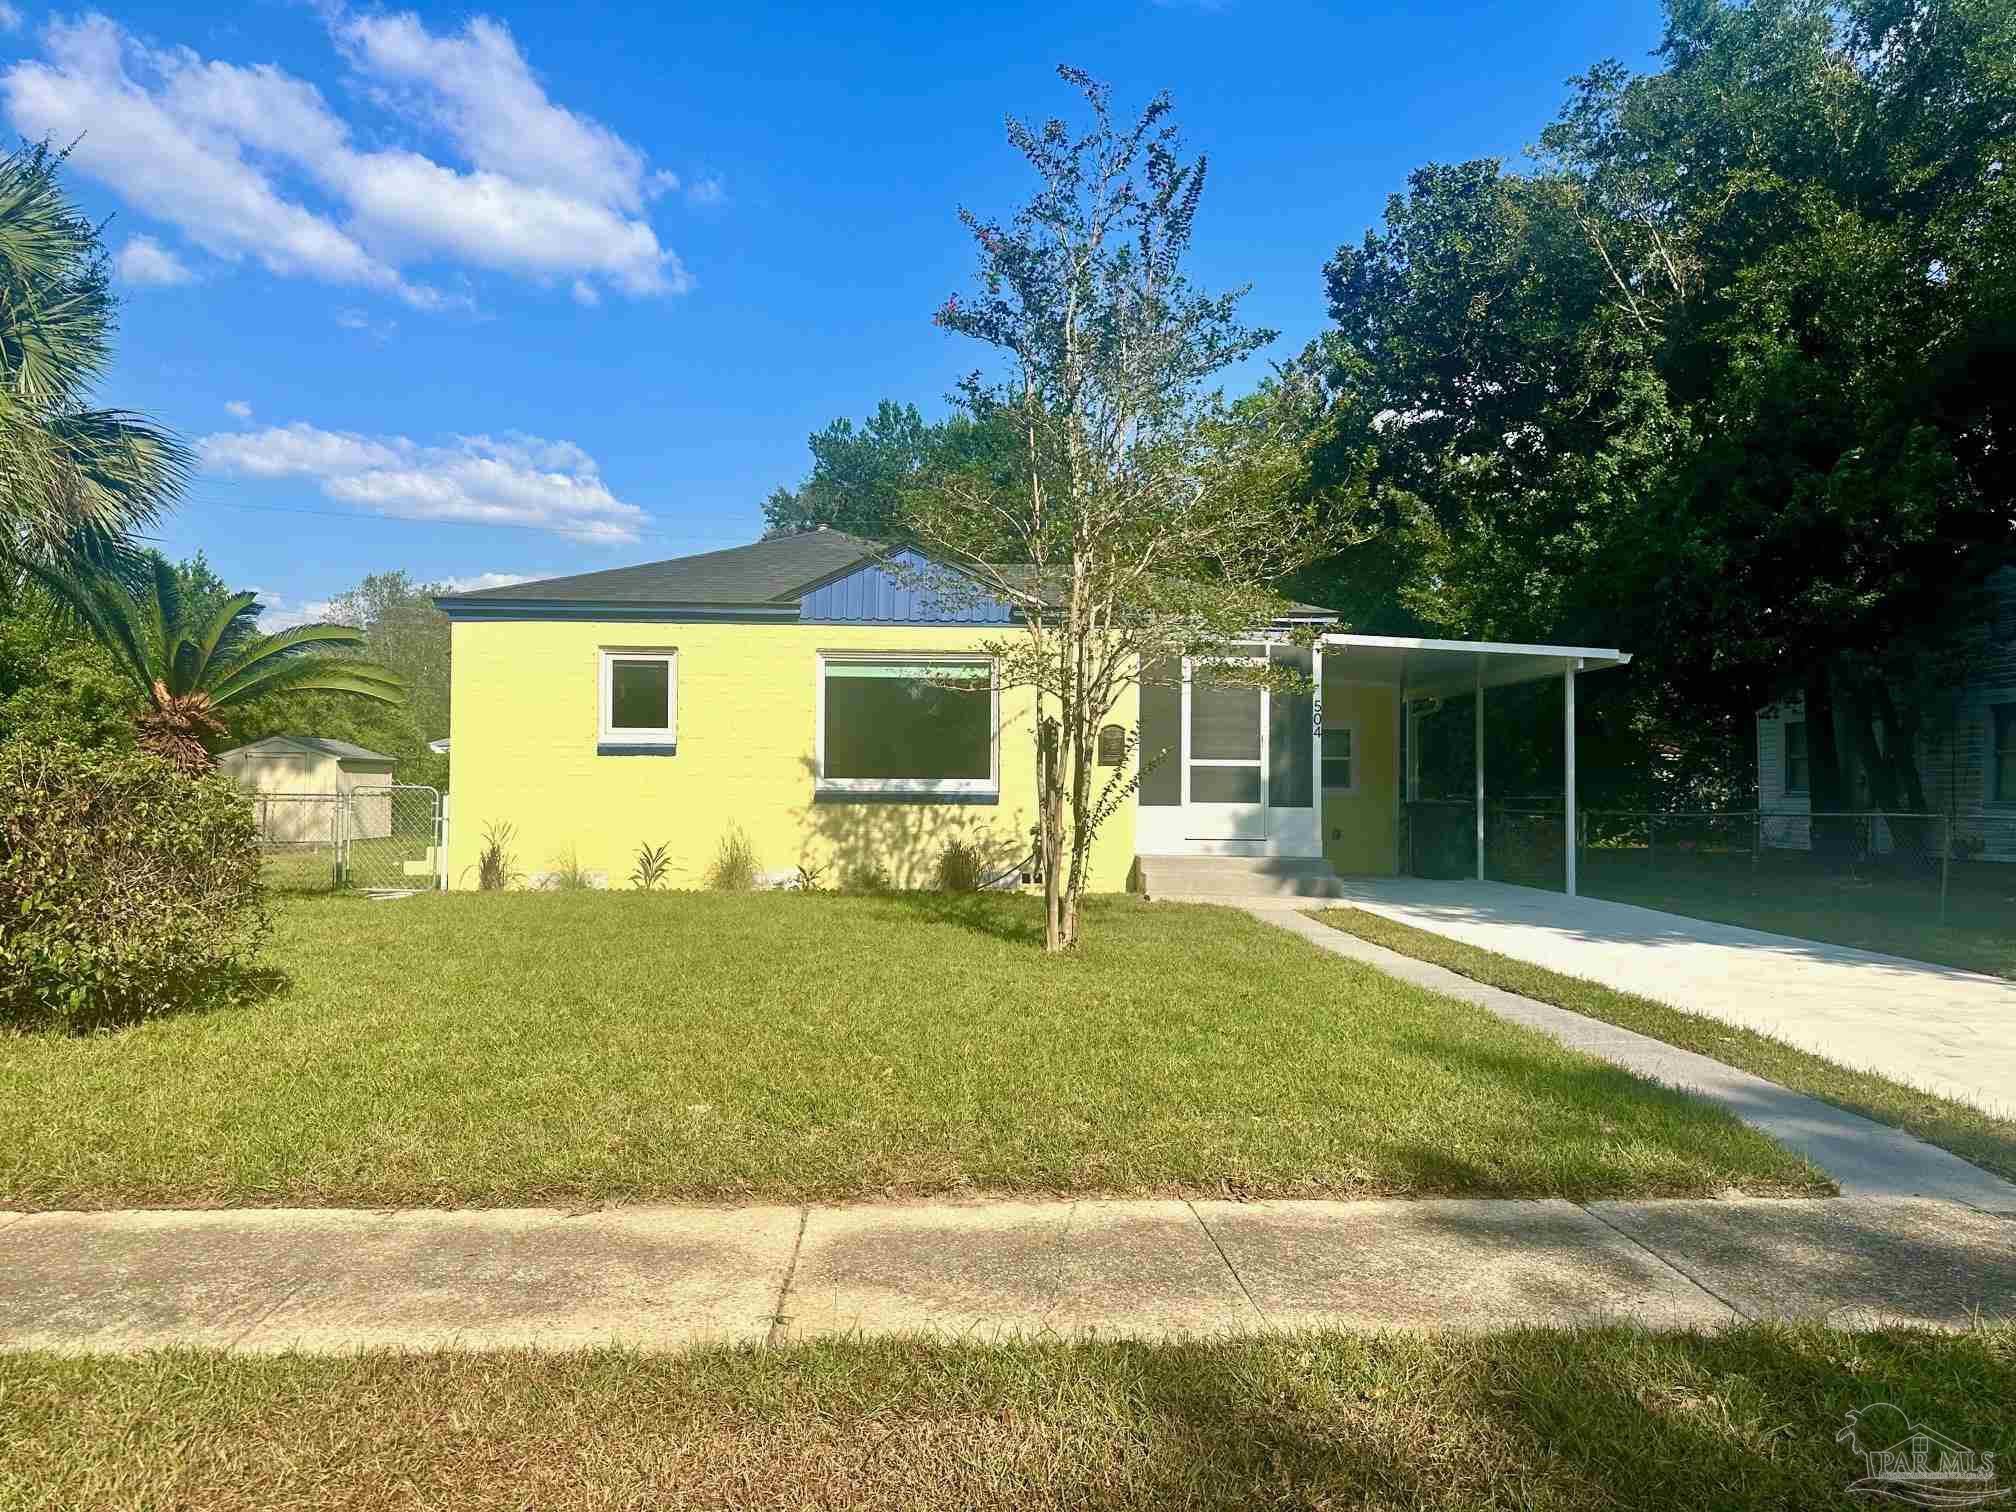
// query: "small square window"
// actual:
[[639, 698], [1798, 770], [1340, 773]]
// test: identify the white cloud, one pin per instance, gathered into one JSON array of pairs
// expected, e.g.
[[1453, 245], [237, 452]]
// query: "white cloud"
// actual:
[[239, 407], [476, 582], [706, 191], [144, 261], [10, 17], [251, 162], [276, 613], [510, 480]]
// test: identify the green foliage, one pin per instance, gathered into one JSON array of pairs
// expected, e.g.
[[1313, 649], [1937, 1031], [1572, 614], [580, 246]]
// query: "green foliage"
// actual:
[[496, 864], [1724, 376], [962, 867], [55, 685], [566, 874], [866, 877], [859, 477], [75, 480], [734, 868], [190, 655], [653, 868], [127, 887], [1143, 515], [811, 877]]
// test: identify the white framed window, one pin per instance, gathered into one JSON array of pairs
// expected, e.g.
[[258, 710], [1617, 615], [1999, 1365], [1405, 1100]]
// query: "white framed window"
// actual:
[[639, 697], [1340, 758], [924, 725]]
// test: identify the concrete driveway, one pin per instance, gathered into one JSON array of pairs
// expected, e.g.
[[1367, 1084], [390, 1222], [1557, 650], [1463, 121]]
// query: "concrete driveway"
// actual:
[[1937, 1027]]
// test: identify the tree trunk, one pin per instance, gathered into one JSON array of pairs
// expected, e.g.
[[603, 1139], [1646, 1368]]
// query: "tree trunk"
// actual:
[[1050, 821]]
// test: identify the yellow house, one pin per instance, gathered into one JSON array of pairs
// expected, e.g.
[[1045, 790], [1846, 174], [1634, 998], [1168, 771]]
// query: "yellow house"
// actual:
[[798, 694]]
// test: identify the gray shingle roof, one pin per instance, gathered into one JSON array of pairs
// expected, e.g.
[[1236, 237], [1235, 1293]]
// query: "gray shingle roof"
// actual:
[[765, 572], [771, 573]]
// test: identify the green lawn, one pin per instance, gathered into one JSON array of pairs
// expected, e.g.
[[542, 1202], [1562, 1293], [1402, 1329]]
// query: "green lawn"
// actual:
[[1607, 1418], [1877, 908], [1967, 1131], [557, 1048]]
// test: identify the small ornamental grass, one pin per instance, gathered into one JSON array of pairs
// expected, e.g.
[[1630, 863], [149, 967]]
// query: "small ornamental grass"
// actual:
[[127, 888]]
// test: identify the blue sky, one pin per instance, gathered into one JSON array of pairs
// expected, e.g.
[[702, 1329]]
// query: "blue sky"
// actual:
[[540, 290]]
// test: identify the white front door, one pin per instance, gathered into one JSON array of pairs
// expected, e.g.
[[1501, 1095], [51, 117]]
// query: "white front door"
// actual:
[[1224, 755]]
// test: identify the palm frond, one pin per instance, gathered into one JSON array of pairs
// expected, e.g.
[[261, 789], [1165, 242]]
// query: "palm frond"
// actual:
[[315, 674], [107, 611]]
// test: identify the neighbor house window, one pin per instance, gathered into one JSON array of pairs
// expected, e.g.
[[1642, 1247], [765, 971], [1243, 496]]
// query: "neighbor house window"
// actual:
[[1340, 758], [640, 698], [1798, 772], [2002, 752], [899, 724]]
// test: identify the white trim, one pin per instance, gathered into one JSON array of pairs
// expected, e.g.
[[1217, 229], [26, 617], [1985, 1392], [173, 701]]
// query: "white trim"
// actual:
[[1350, 727], [1241, 826], [1585, 654], [923, 787], [609, 734]]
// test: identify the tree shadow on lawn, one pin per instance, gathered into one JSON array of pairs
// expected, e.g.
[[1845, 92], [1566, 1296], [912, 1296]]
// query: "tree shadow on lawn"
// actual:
[[1614, 1416], [217, 991], [998, 916]]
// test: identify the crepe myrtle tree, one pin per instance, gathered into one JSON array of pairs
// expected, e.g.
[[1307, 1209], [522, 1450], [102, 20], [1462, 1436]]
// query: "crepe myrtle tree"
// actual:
[[1145, 518]]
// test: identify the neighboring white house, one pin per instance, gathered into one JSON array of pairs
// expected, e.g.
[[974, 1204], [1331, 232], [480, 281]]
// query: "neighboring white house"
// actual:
[[1967, 755], [302, 777]]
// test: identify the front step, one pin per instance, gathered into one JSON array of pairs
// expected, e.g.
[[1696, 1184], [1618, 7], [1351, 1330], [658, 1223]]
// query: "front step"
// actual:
[[1237, 876]]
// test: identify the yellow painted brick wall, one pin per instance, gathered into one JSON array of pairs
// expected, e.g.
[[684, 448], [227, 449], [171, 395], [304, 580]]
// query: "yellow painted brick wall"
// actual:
[[1358, 827], [525, 725]]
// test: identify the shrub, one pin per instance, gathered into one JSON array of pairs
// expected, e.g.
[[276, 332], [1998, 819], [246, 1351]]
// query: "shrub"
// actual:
[[962, 867], [811, 876], [734, 868], [127, 888], [654, 865], [866, 877], [566, 874], [496, 866]]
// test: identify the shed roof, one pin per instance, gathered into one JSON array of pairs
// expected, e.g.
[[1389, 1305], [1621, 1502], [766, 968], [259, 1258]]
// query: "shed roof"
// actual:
[[307, 745]]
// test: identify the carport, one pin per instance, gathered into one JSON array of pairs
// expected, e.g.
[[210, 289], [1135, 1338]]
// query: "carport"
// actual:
[[1421, 670]]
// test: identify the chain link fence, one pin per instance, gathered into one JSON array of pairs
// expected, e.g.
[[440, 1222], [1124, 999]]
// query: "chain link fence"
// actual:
[[390, 839], [1955, 871]]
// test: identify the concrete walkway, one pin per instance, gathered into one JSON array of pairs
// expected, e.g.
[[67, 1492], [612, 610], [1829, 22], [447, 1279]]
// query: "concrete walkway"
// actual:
[[331, 1280], [1938, 1027], [1866, 1159]]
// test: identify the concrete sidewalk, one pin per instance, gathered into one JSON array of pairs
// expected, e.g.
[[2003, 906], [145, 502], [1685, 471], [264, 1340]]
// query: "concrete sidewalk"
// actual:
[[333, 1280]]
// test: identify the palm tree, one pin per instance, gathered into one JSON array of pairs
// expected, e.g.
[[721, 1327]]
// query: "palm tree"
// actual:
[[75, 481], [191, 660]]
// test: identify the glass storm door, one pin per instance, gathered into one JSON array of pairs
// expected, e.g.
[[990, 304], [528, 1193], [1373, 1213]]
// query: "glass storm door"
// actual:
[[1224, 756]]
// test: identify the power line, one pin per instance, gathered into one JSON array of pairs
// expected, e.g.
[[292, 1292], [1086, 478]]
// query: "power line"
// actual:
[[351, 514]]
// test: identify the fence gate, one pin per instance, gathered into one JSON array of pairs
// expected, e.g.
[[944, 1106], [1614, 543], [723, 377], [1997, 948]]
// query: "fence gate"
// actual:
[[392, 840], [375, 839]]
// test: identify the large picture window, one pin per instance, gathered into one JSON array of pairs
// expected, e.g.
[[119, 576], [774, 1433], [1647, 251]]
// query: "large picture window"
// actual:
[[640, 698], [922, 725]]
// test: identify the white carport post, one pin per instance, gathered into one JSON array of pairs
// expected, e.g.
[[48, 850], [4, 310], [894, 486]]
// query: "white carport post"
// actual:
[[1568, 774], [1477, 733]]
